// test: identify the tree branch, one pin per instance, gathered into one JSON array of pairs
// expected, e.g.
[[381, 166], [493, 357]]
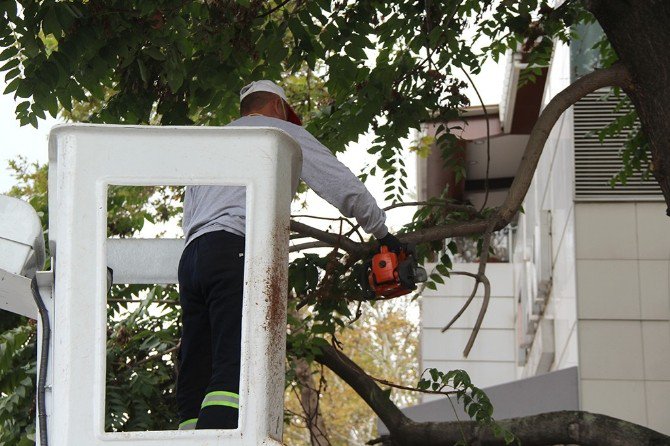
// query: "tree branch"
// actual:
[[467, 302], [615, 76], [357, 379], [413, 389], [309, 245], [271, 10], [449, 207], [488, 139], [328, 237], [564, 427], [481, 277]]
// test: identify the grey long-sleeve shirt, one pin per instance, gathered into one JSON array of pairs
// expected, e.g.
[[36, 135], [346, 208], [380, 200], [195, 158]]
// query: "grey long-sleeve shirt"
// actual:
[[215, 208]]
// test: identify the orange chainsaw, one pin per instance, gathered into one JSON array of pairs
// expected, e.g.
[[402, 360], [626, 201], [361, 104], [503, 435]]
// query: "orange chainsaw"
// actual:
[[390, 274]]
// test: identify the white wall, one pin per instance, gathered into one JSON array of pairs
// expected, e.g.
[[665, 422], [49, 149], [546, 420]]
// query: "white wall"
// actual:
[[551, 193], [623, 264], [610, 296]]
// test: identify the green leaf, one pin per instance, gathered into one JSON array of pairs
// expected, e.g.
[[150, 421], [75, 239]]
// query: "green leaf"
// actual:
[[442, 269], [50, 24], [22, 107], [9, 52], [11, 74], [23, 89], [355, 52], [155, 53], [10, 64], [175, 80], [143, 70]]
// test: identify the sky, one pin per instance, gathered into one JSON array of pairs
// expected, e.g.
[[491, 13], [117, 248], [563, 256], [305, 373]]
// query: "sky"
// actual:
[[32, 144], [16, 140]]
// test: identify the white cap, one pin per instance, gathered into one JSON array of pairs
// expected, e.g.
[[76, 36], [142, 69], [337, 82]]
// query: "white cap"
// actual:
[[271, 87], [263, 85]]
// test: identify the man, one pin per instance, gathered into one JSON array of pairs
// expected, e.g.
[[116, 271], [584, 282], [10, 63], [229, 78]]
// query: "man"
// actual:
[[211, 269]]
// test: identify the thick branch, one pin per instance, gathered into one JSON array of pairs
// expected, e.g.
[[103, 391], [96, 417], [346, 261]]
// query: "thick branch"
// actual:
[[614, 76], [565, 427], [472, 227], [328, 237], [361, 382]]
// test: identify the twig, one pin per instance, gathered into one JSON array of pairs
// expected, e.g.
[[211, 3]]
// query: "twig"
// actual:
[[467, 302], [309, 245], [157, 355], [481, 277], [448, 206], [480, 317], [463, 273], [413, 389], [139, 301], [354, 230], [460, 426], [309, 418], [328, 237], [271, 10], [318, 217], [488, 139], [358, 313]]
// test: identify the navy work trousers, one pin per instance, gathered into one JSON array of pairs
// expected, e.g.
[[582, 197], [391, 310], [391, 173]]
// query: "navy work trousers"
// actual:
[[211, 281]]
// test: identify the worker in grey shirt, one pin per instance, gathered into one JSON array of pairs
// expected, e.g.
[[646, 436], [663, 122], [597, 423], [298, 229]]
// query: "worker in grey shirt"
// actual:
[[211, 269]]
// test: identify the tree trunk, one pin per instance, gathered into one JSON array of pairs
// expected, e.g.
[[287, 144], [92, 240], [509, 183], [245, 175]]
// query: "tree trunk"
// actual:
[[309, 400], [640, 35], [565, 427]]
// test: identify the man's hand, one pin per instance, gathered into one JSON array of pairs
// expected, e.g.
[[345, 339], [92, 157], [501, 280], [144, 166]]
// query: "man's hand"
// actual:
[[392, 242]]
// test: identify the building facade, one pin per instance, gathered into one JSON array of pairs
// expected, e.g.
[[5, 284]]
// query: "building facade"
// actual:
[[579, 316]]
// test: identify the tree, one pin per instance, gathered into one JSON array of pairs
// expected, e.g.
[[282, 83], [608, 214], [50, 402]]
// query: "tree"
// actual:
[[386, 66]]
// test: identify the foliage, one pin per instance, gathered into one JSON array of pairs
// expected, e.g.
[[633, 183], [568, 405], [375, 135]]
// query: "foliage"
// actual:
[[625, 125], [17, 385], [474, 400], [635, 150], [141, 358]]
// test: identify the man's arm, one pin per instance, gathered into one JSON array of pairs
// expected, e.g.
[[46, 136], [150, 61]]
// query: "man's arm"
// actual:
[[335, 183]]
